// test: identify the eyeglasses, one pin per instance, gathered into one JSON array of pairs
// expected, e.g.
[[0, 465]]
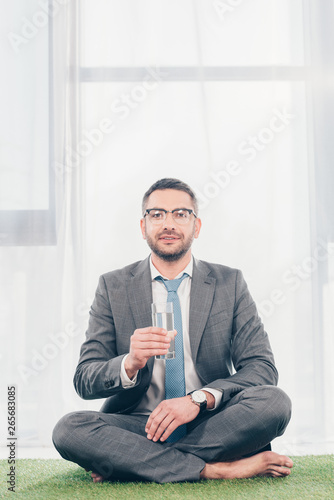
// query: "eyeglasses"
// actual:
[[180, 215]]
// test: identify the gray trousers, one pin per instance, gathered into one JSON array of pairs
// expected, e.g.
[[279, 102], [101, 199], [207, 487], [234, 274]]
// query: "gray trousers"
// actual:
[[116, 446]]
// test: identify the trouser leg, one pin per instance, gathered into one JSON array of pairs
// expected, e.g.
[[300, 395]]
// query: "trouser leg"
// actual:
[[116, 445], [244, 426]]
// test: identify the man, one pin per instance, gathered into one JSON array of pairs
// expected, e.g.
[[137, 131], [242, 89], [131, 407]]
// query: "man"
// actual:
[[223, 420]]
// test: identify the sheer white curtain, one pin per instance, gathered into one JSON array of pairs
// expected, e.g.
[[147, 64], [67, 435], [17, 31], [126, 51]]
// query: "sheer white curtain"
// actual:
[[226, 96], [42, 285]]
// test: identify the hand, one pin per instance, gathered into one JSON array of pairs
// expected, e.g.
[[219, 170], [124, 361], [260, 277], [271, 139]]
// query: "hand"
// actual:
[[145, 343], [169, 415]]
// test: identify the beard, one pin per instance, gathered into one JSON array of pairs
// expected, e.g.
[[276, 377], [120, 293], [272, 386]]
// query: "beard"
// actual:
[[170, 255]]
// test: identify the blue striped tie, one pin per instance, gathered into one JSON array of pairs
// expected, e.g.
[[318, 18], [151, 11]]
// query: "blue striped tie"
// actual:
[[175, 384]]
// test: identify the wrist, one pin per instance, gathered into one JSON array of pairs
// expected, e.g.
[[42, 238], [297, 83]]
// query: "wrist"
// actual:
[[199, 398], [210, 400], [130, 371]]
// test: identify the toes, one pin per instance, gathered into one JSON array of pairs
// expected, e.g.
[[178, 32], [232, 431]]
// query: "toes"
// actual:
[[277, 472], [97, 478], [272, 458]]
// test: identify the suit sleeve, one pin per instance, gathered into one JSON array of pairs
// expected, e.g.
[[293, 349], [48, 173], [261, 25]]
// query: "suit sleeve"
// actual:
[[98, 371], [251, 352]]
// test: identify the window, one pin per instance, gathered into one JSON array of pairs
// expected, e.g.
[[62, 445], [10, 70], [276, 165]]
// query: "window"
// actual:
[[27, 197]]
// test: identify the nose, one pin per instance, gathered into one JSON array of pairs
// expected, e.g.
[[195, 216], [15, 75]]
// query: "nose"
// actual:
[[169, 222]]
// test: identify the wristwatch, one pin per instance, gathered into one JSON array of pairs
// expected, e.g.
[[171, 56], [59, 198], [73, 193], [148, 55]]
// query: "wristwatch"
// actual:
[[199, 398]]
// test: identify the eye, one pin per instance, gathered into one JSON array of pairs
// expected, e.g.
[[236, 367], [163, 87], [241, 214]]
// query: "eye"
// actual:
[[181, 214], [156, 214]]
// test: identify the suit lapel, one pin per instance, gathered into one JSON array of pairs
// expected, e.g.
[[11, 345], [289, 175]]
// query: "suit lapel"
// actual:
[[139, 290], [201, 297]]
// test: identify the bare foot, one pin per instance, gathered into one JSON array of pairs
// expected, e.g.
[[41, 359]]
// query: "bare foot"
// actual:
[[97, 478], [266, 463]]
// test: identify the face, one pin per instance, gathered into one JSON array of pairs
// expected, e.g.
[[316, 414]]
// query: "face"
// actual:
[[168, 240]]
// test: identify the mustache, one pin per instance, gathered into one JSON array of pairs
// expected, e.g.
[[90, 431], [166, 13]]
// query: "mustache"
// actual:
[[169, 233]]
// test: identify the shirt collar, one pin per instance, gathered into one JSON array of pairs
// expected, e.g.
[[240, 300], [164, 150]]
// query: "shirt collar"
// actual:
[[188, 269]]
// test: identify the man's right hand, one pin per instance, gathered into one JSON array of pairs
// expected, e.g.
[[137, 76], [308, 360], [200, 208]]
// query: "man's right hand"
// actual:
[[145, 343]]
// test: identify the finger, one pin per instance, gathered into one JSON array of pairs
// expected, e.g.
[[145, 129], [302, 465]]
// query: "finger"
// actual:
[[152, 417], [160, 408], [169, 430], [151, 431], [145, 354], [163, 428], [150, 336], [155, 422], [149, 344], [161, 343], [151, 329]]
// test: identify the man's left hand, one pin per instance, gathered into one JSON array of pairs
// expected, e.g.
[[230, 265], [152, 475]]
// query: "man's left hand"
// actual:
[[168, 415]]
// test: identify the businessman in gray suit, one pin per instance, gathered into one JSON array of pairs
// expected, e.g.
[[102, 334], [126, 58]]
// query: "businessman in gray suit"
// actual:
[[227, 409]]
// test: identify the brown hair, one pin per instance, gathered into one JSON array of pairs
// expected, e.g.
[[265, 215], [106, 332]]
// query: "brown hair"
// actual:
[[169, 183]]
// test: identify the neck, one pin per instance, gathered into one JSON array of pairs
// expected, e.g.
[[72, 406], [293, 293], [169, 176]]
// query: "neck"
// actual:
[[170, 269]]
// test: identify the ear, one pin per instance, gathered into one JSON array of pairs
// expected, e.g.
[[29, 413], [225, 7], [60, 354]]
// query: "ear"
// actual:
[[143, 227], [198, 225]]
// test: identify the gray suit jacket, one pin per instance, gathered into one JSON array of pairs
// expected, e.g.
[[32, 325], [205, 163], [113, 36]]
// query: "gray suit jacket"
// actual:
[[224, 327]]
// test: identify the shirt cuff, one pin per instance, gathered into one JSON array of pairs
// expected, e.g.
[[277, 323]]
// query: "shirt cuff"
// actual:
[[216, 394], [126, 381]]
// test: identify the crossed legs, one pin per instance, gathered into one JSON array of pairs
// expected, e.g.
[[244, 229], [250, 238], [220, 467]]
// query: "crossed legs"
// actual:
[[115, 446]]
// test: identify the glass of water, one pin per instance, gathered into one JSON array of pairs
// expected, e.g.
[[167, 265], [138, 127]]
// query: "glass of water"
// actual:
[[163, 317]]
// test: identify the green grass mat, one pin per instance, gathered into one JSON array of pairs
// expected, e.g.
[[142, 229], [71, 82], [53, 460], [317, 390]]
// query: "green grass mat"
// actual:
[[312, 477]]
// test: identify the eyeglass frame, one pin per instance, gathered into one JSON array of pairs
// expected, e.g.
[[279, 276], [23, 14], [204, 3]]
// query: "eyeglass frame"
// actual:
[[189, 210]]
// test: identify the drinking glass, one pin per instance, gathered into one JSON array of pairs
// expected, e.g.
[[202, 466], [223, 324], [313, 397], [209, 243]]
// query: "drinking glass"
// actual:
[[163, 317]]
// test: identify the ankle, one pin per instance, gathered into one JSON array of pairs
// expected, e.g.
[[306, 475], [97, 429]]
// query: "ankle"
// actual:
[[203, 473], [208, 472], [217, 470]]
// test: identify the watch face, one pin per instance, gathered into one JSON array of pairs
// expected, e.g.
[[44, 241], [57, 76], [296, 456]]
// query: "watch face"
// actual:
[[199, 396]]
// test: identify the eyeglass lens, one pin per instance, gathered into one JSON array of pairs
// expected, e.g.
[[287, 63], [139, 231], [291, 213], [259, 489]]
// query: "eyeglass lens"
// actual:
[[180, 216]]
